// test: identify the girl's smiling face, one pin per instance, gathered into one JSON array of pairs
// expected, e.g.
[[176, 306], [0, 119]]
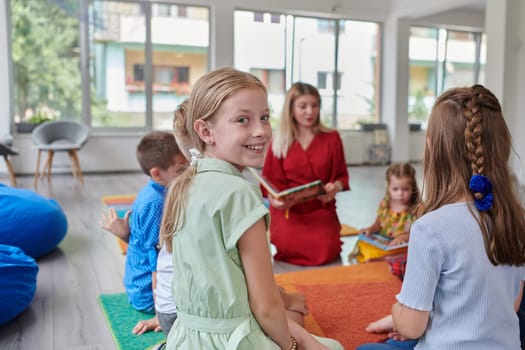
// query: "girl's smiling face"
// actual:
[[240, 131]]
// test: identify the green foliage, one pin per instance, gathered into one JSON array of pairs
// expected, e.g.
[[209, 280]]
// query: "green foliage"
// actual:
[[419, 110], [371, 100], [39, 119], [45, 55]]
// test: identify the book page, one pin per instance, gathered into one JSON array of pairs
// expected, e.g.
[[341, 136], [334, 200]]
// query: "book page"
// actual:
[[301, 193]]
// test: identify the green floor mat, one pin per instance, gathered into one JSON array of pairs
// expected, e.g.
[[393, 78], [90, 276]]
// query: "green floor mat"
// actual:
[[121, 318]]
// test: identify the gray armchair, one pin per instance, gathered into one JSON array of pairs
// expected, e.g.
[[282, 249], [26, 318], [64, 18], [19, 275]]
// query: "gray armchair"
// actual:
[[6, 151], [59, 136]]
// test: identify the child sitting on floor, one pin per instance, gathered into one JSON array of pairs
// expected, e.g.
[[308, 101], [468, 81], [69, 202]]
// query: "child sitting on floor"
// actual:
[[166, 310], [394, 215], [160, 158]]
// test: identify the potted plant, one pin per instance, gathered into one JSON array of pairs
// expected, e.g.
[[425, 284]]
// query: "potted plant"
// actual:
[[41, 115]]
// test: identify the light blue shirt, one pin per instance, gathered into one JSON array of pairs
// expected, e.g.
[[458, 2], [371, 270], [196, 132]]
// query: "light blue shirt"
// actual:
[[449, 274], [141, 256]]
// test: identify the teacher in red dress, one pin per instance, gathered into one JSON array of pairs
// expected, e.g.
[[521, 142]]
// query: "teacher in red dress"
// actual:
[[304, 150]]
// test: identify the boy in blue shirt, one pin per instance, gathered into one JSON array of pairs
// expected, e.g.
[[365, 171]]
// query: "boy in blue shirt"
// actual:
[[161, 159]]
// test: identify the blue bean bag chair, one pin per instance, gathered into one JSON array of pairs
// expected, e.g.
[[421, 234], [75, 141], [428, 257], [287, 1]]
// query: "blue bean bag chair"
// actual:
[[17, 282], [30, 222]]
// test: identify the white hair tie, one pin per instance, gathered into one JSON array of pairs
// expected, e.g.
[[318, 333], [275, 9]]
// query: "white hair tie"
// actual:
[[195, 154]]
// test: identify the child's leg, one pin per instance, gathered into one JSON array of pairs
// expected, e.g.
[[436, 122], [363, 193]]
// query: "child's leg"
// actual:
[[166, 321]]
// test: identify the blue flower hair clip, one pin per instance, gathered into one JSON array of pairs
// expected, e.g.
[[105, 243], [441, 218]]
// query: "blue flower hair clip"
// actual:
[[482, 188]]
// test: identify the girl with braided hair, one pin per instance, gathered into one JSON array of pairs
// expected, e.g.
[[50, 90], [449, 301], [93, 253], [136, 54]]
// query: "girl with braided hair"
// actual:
[[466, 256]]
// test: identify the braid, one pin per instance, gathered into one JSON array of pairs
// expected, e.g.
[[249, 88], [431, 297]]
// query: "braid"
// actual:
[[473, 131]]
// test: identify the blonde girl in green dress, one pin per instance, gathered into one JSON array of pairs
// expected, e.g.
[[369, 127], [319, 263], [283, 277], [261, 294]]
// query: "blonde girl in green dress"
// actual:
[[215, 224]]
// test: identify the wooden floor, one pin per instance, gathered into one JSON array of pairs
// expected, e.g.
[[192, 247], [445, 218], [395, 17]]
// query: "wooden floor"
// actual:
[[65, 313]]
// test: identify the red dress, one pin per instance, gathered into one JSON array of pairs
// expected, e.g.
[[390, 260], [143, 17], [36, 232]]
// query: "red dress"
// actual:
[[310, 234]]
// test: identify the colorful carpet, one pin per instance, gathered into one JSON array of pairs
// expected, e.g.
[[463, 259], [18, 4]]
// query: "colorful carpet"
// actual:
[[343, 300], [121, 203], [121, 318]]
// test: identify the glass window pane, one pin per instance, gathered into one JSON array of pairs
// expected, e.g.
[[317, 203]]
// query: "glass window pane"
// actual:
[[423, 70], [482, 59], [313, 53], [259, 42], [46, 59], [117, 33], [460, 59], [180, 49], [441, 59], [359, 67]]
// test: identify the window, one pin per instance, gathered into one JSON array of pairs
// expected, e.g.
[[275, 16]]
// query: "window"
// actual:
[[161, 10], [130, 90], [273, 79], [138, 73], [163, 75], [124, 87], [261, 17], [440, 59], [304, 49], [258, 17], [325, 80], [329, 26], [45, 59], [182, 74]]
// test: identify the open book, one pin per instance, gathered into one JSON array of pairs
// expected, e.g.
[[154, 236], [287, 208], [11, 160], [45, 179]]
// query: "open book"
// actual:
[[300, 193], [381, 242]]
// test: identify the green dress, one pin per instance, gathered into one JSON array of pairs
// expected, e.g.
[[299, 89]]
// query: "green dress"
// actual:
[[209, 286]]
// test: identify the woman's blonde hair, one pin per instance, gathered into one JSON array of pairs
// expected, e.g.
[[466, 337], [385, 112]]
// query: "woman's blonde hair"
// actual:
[[208, 94], [286, 131], [401, 170], [467, 135]]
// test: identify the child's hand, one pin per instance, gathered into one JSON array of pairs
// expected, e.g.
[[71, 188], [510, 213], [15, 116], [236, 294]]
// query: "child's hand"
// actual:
[[366, 231], [278, 204], [117, 226], [304, 339], [384, 325], [396, 336], [147, 325], [399, 240]]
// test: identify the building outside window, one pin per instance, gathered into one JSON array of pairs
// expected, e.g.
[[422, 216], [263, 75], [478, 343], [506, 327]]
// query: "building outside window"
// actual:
[[304, 49], [440, 59], [140, 60]]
